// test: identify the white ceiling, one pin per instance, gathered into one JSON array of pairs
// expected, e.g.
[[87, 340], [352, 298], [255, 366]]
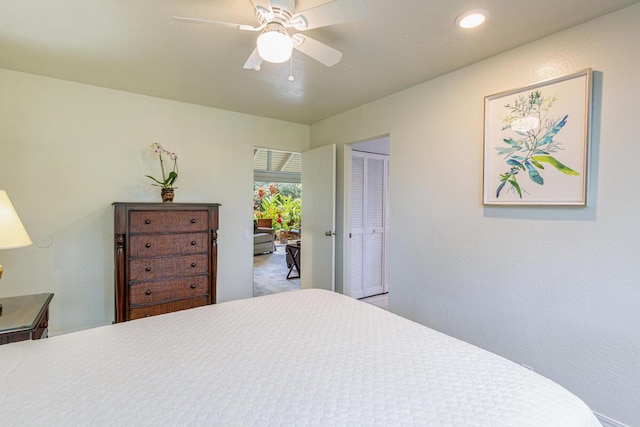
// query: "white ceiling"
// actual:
[[276, 166], [133, 45]]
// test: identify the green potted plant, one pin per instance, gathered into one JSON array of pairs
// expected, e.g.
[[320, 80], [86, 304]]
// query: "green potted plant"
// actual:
[[167, 179]]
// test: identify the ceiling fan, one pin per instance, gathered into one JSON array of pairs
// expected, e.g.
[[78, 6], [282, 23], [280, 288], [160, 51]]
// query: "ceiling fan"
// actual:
[[277, 17]]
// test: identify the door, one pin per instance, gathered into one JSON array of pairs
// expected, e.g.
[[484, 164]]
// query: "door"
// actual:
[[317, 251], [368, 224], [356, 229]]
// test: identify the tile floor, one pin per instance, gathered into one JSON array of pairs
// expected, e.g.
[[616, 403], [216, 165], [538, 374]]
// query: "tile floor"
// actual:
[[381, 300], [273, 268]]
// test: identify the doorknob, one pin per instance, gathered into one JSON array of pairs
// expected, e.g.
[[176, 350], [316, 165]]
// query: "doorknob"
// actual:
[[329, 233]]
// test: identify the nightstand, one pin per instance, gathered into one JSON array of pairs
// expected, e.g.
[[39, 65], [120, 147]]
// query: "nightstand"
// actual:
[[24, 318]]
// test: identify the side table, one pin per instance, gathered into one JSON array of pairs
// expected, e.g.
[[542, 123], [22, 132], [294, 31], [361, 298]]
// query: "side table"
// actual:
[[293, 259], [24, 318]]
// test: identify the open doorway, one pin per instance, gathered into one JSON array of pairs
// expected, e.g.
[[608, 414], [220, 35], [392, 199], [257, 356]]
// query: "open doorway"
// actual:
[[367, 221], [277, 220]]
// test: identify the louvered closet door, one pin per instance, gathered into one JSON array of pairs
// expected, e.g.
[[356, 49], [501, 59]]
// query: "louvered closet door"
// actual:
[[368, 210], [374, 225], [387, 221], [357, 224]]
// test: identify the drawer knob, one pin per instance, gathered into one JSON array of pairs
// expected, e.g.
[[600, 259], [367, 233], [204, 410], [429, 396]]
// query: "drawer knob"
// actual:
[[193, 243], [148, 245], [147, 221], [147, 269], [193, 220], [148, 292], [193, 286], [193, 264]]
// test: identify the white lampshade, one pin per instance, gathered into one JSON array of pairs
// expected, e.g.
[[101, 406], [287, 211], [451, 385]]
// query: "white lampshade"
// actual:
[[274, 46], [12, 232]]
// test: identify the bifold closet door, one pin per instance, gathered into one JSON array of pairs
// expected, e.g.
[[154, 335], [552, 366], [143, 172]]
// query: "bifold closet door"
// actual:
[[374, 226], [357, 224], [368, 207]]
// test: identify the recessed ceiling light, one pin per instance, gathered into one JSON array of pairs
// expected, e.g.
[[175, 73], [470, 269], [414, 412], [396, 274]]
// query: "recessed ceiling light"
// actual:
[[472, 18]]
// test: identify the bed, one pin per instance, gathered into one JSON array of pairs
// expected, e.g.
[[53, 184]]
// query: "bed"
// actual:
[[308, 357]]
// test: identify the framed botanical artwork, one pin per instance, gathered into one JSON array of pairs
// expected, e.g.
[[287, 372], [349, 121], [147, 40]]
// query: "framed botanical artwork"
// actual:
[[536, 143]]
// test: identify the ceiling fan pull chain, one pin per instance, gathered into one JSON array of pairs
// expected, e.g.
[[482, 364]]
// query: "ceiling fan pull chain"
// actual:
[[291, 78]]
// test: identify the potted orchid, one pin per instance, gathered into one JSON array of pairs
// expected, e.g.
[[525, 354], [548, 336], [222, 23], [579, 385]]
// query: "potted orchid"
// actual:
[[167, 179]]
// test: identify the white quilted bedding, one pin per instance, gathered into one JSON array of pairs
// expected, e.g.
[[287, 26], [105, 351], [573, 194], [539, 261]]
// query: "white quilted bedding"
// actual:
[[299, 358]]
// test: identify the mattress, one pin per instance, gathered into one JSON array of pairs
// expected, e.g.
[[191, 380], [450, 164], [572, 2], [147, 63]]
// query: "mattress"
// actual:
[[308, 357]]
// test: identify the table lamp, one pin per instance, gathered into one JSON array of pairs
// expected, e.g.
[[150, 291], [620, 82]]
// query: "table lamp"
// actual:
[[12, 232]]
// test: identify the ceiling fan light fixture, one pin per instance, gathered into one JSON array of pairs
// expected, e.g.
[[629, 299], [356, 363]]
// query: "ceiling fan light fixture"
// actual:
[[275, 46], [472, 18]]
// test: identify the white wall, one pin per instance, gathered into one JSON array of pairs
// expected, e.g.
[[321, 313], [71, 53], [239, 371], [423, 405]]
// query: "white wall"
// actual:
[[555, 288], [67, 151]]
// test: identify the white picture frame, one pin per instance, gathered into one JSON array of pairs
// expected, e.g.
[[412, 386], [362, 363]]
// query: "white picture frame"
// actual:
[[536, 143]]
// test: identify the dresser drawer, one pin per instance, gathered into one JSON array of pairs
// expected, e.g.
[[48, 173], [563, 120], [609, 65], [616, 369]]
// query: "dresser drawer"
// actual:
[[167, 290], [168, 244], [152, 310], [168, 221], [160, 268]]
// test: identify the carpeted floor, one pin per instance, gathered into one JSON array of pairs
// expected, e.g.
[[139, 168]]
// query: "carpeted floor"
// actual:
[[270, 274]]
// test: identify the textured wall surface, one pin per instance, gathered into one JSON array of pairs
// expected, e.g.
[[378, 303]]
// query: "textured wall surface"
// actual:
[[70, 150], [555, 288]]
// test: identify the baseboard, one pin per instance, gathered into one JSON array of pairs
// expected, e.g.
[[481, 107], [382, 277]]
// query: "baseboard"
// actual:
[[608, 422]]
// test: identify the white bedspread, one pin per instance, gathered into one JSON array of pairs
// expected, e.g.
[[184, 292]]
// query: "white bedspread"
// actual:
[[299, 358]]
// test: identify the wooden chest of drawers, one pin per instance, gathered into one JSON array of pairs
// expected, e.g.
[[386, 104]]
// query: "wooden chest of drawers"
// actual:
[[165, 257]]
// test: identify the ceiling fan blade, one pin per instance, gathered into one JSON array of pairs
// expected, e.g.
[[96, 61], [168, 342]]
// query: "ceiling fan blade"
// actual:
[[254, 60], [316, 50], [335, 12], [209, 21], [263, 6]]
